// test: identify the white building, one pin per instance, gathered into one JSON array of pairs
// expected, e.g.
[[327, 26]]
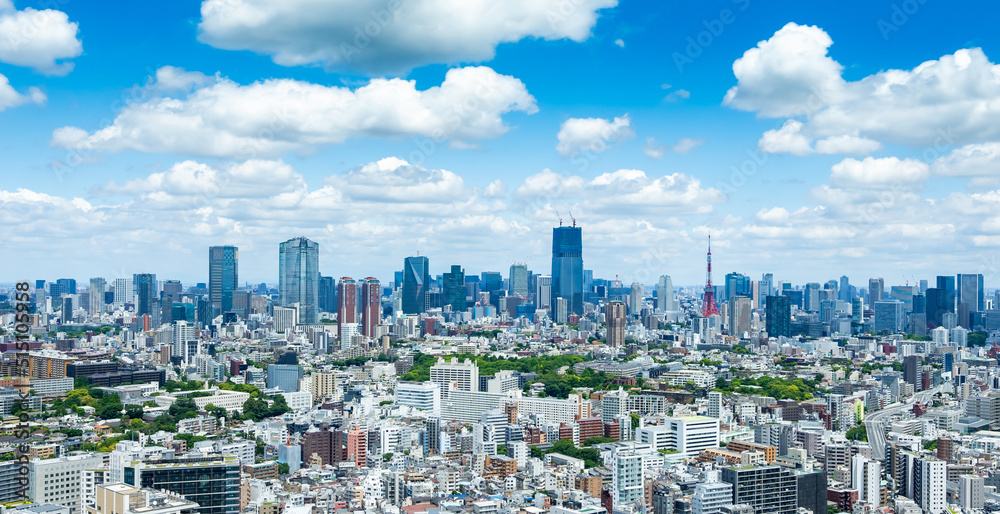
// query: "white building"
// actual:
[[709, 498], [627, 484], [298, 400], [518, 450], [714, 404], [970, 492], [465, 375], [866, 479], [425, 396], [553, 410], [59, 480], [687, 435], [284, 319]]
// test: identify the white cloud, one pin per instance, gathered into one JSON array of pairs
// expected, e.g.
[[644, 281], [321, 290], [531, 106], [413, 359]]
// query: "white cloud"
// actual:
[[676, 96], [687, 144], [40, 39], [787, 139], [249, 179], [652, 149], [395, 180], [592, 135], [620, 43], [390, 35], [11, 98], [952, 100], [272, 117], [970, 161], [876, 173], [172, 78]]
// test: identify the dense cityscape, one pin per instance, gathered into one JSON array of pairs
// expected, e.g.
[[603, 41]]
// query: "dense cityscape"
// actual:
[[512, 391]]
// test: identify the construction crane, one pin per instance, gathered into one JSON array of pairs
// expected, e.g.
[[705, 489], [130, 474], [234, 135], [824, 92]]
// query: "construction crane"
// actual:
[[572, 218], [560, 218]]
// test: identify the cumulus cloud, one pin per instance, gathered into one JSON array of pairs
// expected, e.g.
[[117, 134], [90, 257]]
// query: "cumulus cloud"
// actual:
[[952, 100], [395, 180], [876, 173], [40, 39], [970, 161], [653, 149], [224, 119], [687, 144], [390, 36], [9, 97], [592, 135]]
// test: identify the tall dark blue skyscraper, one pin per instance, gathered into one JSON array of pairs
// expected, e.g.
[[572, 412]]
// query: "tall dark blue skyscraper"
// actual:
[[453, 289], [145, 292], [327, 294], [567, 266], [223, 276], [415, 283], [298, 277]]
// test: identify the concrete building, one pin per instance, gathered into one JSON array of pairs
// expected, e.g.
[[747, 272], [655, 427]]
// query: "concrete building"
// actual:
[[687, 435]]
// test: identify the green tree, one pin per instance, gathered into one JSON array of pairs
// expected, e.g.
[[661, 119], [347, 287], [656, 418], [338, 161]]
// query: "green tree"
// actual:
[[283, 468]]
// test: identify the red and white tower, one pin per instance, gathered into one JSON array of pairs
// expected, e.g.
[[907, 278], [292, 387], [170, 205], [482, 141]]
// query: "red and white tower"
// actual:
[[708, 307]]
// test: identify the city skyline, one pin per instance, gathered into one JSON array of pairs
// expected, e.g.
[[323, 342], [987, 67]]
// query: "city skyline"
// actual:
[[660, 127]]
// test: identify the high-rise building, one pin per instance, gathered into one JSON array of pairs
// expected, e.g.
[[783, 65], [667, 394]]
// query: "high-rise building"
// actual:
[[416, 283], [357, 446], [616, 317], [146, 297], [926, 482], [688, 435], [543, 292], [739, 315], [327, 294], [124, 293], [347, 303], [425, 396], [665, 301], [371, 306], [971, 496], [453, 289], [714, 404], [635, 299], [737, 285], [844, 292], [298, 278], [888, 316], [567, 266], [96, 294], [57, 480], [972, 295], [866, 479], [778, 316], [709, 498], [223, 276], [627, 486], [284, 376], [517, 281], [911, 370], [491, 282], [464, 374], [876, 290], [766, 489]]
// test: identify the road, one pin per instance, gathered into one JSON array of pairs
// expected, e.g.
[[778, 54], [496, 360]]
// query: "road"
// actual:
[[874, 422]]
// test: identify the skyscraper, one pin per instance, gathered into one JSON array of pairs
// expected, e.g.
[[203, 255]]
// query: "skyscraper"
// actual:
[[970, 294], [298, 277], [635, 299], [615, 317], [96, 292], [347, 303], [416, 280], [327, 294], [146, 297], [567, 266], [223, 268], [124, 292], [876, 290], [665, 294], [739, 316], [543, 292], [453, 288], [844, 293], [778, 314], [371, 306], [517, 282]]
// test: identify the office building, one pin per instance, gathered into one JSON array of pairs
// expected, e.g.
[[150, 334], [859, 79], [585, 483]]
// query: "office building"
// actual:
[[223, 277], [463, 374], [766, 489], [146, 297], [57, 480], [971, 295], [888, 316], [96, 294], [876, 290], [517, 281], [425, 396], [327, 294], [543, 292], [778, 316], [298, 278], [616, 318], [284, 376], [971, 492], [709, 498], [416, 284], [10, 482], [627, 486], [687, 435], [453, 289], [665, 299], [714, 404], [124, 292], [739, 316], [212, 482], [567, 266]]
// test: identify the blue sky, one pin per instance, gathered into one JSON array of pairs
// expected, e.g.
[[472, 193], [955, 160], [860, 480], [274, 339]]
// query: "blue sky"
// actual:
[[857, 184]]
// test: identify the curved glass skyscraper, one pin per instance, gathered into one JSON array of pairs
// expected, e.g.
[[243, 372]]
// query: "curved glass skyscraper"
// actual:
[[298, 277], [567, 266]]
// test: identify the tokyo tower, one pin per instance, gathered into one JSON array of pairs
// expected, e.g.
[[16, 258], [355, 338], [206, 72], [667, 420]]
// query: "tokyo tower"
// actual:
[[708, 307]]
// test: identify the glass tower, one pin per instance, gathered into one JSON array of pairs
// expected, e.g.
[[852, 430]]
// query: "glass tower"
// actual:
[[454, 289], [567, 266], [298, 277], [223, 269], [145, 292], [415, 282]]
